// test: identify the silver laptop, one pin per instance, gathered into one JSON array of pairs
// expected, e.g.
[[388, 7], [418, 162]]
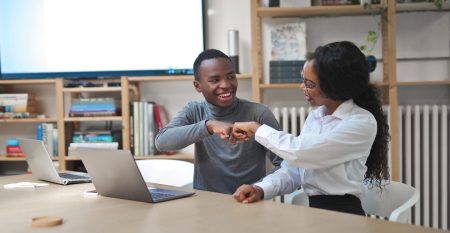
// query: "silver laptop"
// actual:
[[42, 167], [116, 174]]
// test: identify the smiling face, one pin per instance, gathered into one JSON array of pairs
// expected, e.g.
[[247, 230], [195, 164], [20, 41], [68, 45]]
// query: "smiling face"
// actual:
[[310, 85], [217, 81], [312, 91]]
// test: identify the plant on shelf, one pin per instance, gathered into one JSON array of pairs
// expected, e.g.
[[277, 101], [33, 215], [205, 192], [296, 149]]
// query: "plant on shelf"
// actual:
[[372, 36]]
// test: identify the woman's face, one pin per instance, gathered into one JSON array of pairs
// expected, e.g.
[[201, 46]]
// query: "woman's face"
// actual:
[[311, 85], [312, 91]]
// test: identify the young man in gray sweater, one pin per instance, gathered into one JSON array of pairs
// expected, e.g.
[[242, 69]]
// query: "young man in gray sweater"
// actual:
[[219, 165]]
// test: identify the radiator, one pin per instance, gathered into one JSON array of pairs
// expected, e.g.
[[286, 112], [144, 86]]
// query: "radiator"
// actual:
[[291, 119], [423, 156], [423, 161]]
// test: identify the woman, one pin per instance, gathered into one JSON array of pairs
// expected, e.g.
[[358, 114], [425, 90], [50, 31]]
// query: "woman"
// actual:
[[343, 144]]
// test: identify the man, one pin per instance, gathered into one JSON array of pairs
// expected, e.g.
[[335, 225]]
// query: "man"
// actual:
[[219, 165]]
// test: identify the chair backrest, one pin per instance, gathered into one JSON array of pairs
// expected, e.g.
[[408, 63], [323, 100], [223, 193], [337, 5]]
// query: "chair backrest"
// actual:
[[167, 171], [394, 202]]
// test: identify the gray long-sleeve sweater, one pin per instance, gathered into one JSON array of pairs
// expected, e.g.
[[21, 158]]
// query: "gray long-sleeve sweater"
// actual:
[[220, 166]]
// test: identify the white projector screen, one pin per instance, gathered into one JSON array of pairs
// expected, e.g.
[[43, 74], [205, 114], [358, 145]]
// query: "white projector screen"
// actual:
[[90, 38]]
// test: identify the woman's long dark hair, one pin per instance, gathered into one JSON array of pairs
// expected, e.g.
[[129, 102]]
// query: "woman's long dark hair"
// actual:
[[343, 74]]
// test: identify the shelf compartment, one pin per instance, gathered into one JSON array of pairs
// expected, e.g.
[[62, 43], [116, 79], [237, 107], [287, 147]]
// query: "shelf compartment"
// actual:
[[29, 120], [99, 118]]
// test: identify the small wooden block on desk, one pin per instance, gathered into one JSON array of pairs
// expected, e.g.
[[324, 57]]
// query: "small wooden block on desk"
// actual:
[[46, 221]]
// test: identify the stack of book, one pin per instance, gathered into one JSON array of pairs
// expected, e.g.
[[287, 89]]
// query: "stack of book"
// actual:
[[92, 136], [286, 71], [93, 139], [89, 107], [13, 149], [13, 106]]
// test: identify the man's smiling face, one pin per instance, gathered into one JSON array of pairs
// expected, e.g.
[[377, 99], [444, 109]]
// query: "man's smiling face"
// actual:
[[217, 82]]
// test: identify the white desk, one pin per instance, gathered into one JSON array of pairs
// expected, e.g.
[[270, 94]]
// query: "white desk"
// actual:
[[206, 212]]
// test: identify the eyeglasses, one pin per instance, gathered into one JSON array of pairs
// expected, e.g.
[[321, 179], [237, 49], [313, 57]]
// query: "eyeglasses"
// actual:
[[308, 83]]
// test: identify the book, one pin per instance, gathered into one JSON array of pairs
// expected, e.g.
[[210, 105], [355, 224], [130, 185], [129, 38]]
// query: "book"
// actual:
[[161, 119], [150, 130], [288, 41], [136, 128]]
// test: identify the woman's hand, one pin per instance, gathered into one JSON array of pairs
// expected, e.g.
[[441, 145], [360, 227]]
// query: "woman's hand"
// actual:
[[242, 131], [248, 193]]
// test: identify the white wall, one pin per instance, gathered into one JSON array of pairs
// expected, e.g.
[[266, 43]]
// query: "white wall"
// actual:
[[418, 35]]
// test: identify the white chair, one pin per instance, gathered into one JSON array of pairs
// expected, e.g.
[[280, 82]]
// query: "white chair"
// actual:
[[167, 171], [298, 197], [394, 202]]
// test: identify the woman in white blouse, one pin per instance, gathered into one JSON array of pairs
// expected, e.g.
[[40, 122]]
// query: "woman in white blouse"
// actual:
[[344, 142]]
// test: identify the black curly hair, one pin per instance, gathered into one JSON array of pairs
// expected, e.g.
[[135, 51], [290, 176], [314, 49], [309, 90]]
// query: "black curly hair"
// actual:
[[205, 55], [343, 74]]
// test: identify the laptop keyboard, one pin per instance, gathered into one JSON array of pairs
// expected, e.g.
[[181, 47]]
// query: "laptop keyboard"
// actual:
[[160, 195], [72, 176]]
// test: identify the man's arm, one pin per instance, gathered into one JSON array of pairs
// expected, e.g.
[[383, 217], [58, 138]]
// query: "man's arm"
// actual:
[[181, 131]]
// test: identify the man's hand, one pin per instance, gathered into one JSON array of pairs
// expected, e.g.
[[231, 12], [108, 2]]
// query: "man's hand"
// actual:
[[248, 193], [223, 129]]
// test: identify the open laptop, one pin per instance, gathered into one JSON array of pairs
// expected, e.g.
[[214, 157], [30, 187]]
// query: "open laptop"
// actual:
[[42, 167], [116, 174]]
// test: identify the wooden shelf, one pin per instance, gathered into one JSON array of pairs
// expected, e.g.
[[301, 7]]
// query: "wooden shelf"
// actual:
[[424, 83], [420, 6], [11, 159], [178, 156], [176, 78], [99, 118], [27, 81], [280, 86], [29, 120], [345, 10], [317, 11], [17, 159], [93, 89], [297, 85]]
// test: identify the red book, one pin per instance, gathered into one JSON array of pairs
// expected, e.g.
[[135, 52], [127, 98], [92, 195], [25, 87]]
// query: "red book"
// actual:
[[159, 123]]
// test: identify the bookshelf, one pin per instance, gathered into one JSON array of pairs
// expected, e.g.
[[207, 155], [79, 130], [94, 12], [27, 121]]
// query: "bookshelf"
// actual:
[[43, 110], [58, 101], [389, 82]]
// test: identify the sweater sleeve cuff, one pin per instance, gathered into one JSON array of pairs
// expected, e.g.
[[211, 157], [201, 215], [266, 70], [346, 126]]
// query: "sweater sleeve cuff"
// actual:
[[204, 130]]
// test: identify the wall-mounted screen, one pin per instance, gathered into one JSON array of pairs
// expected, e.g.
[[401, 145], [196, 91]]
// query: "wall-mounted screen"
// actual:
[[92, 38]]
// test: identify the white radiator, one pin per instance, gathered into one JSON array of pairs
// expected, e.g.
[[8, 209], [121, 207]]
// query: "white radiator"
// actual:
[[291, 119], [423, 156], [423, 161]]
